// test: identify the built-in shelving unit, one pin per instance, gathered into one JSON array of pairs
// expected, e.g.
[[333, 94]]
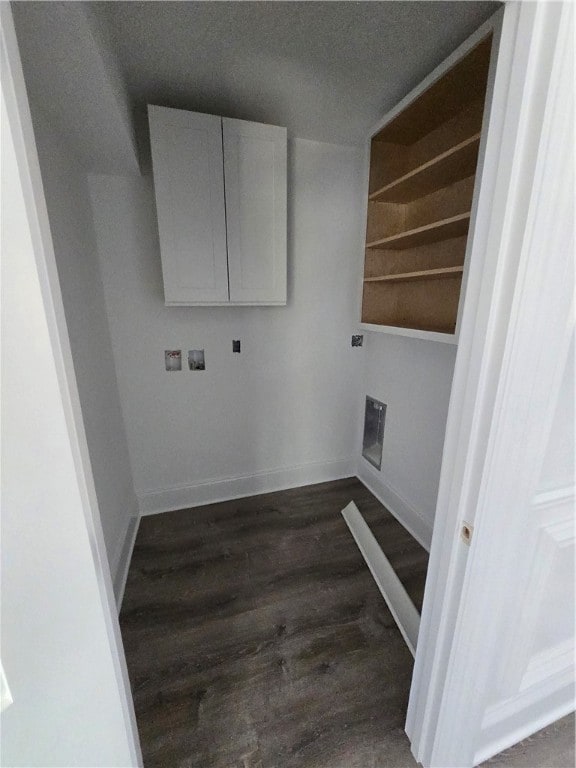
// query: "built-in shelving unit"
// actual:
[[422, 175]]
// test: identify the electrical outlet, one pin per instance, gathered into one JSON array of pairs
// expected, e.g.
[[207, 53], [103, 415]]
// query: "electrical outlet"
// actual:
[[357, 340], [235, 345]]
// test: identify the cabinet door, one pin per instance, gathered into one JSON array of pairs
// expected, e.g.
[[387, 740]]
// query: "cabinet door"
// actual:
[[255, 173], [189, 186]]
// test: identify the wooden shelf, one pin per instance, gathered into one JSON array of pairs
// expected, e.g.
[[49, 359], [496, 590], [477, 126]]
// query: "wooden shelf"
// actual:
[[430, 233], [454, 164], [424, 274]]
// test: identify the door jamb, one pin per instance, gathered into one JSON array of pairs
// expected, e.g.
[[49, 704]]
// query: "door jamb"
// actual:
[[14, 90], [442, 733]]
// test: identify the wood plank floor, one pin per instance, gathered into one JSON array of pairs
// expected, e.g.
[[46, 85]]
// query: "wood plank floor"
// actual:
[[256, 638]]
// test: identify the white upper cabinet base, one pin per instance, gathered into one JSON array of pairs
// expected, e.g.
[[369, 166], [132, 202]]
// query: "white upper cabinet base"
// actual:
[[255, 174], [220, 189]]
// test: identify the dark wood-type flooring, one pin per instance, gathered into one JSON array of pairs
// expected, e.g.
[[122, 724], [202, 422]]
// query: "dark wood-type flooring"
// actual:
[[256, 638]]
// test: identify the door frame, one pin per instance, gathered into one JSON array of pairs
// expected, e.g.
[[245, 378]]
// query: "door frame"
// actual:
[[21, 127], [516, 328]]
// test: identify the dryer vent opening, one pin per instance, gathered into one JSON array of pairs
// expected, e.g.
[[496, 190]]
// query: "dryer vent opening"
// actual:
[[374, 418]]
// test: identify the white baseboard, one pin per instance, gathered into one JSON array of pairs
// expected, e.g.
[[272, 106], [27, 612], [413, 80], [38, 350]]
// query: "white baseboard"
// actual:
[[124, 559], [404, 512], [115, 558], [226, 489], [397, 599]]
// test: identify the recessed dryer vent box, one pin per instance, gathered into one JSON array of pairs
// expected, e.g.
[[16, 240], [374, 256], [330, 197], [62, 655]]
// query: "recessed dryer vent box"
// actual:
[[374, 418]]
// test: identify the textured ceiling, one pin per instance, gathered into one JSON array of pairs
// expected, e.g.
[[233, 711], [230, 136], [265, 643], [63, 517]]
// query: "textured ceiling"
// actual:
[[326, 70]]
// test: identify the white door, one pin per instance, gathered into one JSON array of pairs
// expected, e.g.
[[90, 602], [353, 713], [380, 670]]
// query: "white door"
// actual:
[[495, 657], [189, 186], [255, 173]]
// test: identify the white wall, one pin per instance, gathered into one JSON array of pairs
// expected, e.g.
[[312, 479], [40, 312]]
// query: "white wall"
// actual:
[[414, 378], [68, 202], [60, 660], [71, 72], [284, 411]]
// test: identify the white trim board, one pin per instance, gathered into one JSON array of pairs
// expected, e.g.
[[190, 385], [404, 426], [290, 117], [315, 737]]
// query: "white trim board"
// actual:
[[443, 338], [229, 488], [115, 558], [401, 606], [123, 564], [405, 513]]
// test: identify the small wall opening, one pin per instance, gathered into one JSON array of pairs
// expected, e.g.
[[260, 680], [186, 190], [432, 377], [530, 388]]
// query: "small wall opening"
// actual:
[[374, 418], [173, 359], [196, 360]]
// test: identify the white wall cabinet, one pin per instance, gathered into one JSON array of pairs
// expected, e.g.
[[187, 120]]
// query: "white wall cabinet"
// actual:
[[189, 187], [220, 188], [255, 174]]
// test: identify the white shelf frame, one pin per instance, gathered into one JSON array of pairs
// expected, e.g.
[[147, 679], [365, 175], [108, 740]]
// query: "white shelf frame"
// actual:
[[413, 333]]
